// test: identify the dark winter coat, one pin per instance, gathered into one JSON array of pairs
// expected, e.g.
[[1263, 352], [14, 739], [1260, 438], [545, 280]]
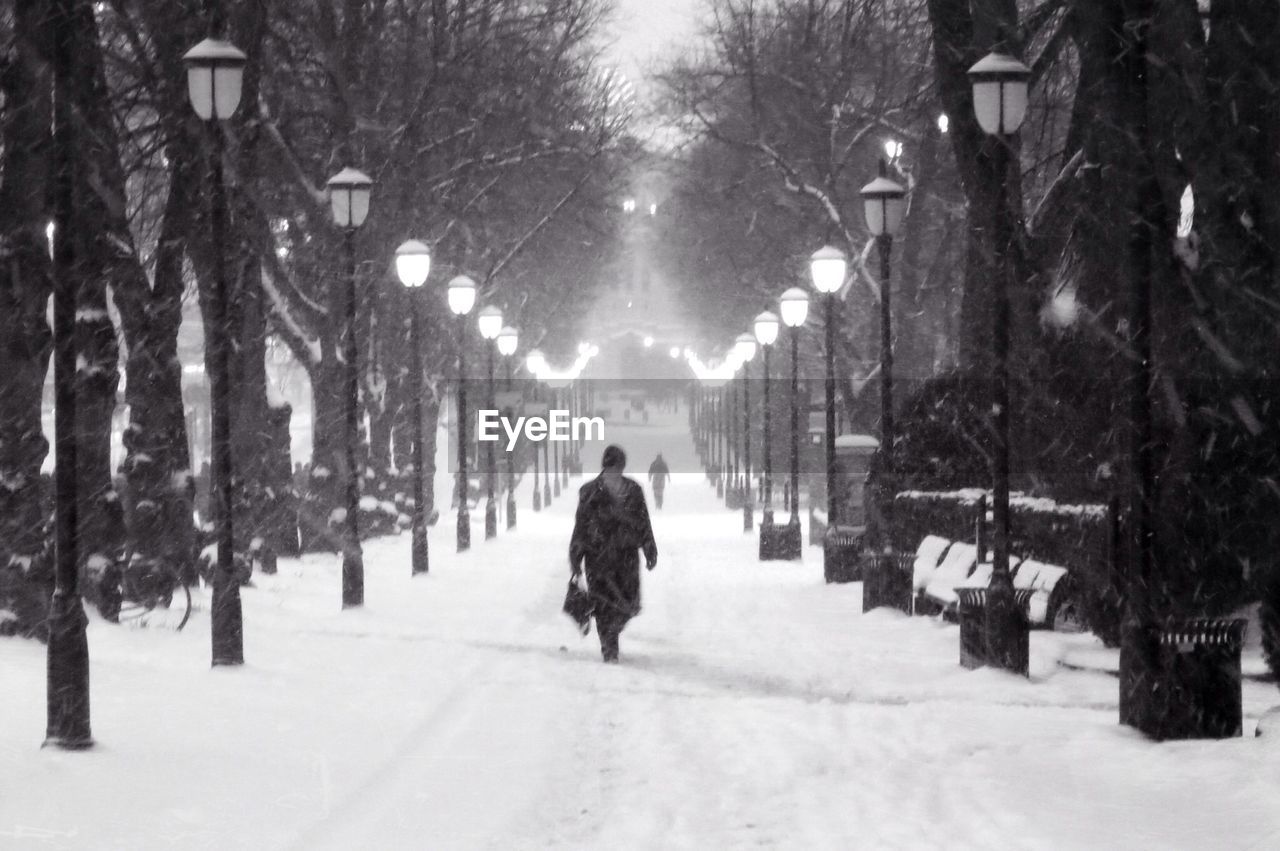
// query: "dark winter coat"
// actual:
[[608, 534]]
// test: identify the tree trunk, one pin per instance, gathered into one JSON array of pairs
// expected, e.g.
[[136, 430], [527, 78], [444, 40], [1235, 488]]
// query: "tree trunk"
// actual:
[[157, 467], [26, 579], [106, 261]]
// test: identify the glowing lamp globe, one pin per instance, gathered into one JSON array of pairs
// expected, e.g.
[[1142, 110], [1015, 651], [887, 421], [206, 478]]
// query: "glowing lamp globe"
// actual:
[[215, 75], [489, 320], [349, 192], [828, 267], [794, 306], [884, 203], [462, 295], [535, 362], [999, 93], [508, 341], [745, 346], [413, 263], [766, 327]]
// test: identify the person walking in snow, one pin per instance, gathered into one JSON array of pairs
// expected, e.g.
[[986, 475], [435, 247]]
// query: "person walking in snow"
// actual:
[[609, 531], [659, 475]]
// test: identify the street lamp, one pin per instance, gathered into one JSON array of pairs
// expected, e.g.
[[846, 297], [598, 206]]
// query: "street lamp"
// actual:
[[1000, 104], [546, 455], [718, 461], [766, 330], [794, 307], [349, 192], [508, 342], [215, 71], [489, 321], [828, 268], [999, 93], [745, 345], [536, 363], [461, 295], [552, 469], [733, 438], [724, 484], [413, 265], [884, 205]]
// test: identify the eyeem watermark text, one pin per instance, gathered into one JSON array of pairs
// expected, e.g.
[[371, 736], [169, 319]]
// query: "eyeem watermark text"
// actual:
[[556, 426]]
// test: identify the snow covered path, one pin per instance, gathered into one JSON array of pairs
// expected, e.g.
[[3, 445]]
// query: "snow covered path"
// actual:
[[755, 706]]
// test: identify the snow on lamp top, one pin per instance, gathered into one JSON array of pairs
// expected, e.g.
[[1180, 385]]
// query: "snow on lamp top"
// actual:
[[828, 266], [794, 306], [462, 295], [413, 263], [489, 320], [215, 74], [766, 328], [508, 341], [884, 202], [999, 93], [349, 192]]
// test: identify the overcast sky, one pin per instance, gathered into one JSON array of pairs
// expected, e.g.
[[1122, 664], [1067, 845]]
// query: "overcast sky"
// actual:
[[646, 29]]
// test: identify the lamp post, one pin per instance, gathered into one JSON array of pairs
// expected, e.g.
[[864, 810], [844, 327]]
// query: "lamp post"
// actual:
[[413, 265], [489, 321], [536, 363], [1000, 104], [884, 204], [828, 267], [746, 348], [723, 483], [349, 192], [546, 457], [462, 297], [215, 72], [794, 307], [734, 490], [1144, 679], [766, 330], [717, 437], [508, 342], [67, 672], [553, 470]]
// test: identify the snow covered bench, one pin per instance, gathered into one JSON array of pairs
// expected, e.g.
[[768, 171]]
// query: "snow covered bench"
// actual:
[[928, 556], [939, 593], [944, 590], [1042, 582]]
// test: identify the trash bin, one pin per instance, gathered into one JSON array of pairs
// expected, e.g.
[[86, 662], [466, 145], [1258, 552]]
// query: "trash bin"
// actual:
[[842, 554], [886, 581], [971, 610], [1200, 658]]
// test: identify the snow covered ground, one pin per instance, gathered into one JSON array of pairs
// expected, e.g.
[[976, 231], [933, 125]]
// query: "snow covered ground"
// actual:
[[755, 706]]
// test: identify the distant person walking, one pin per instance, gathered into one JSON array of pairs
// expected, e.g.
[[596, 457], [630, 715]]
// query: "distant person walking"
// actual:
[[659, 475], [611, 527]]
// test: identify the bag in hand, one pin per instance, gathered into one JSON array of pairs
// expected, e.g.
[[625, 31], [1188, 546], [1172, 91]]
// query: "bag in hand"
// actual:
[[578, 605]]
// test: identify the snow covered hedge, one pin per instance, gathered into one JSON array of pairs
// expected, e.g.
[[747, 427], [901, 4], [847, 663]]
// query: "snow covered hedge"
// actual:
[[1077, 537]]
